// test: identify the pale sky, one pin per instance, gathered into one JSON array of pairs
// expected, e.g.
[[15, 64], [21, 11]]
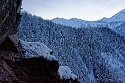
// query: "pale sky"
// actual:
[[82, 9]]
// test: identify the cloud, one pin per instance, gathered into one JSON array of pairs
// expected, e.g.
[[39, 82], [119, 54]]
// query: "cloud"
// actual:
[[84, 9]]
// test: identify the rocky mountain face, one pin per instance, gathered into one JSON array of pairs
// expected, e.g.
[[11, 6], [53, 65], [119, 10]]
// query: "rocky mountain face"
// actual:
[[14, 68], [95, 55], [9, 19]]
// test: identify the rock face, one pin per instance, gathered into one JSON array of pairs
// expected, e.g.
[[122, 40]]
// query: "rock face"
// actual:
[[36, 70], [7, 74], [9, 19], [40, 70], [14, 68]]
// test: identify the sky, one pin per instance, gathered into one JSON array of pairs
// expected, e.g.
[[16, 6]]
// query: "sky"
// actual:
[[83, 9]]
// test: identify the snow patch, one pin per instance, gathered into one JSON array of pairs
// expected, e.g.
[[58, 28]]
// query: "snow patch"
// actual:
[[37, 49], [65, 73]]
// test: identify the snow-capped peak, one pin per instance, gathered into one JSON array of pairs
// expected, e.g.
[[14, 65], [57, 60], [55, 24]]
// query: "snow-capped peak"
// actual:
[[120, 16], [112, 22]]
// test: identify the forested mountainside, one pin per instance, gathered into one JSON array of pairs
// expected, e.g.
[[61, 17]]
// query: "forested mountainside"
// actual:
[[95, 55]]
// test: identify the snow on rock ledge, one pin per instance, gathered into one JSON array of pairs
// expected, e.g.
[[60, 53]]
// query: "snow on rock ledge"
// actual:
[[65, 73], [37, 49]]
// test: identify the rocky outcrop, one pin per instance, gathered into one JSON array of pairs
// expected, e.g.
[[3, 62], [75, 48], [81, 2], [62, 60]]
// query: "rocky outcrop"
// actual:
[[6, 73], [9, 17], [40, 66], [37, 70]]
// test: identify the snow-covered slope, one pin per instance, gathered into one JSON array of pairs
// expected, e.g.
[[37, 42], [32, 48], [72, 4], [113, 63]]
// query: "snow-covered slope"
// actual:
[[91, 53]]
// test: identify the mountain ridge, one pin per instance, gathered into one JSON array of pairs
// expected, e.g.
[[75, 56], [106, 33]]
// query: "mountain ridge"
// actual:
[[115, 22], [115, 17]]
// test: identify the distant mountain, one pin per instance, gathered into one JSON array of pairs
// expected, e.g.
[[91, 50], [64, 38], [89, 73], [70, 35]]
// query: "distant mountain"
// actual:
[[74, 22], [79, 23], [104, 19], [95, 55], [120, 16], [114, 22]]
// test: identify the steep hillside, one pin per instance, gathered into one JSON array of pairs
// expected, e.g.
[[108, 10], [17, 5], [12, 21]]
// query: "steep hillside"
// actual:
[[95, 55]]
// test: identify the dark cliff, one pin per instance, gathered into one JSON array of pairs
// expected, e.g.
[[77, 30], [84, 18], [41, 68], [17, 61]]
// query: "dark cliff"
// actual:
[[9, 20], [9, 17]]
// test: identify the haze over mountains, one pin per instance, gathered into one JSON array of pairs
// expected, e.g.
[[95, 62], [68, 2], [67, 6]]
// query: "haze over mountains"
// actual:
[[95, 55]]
